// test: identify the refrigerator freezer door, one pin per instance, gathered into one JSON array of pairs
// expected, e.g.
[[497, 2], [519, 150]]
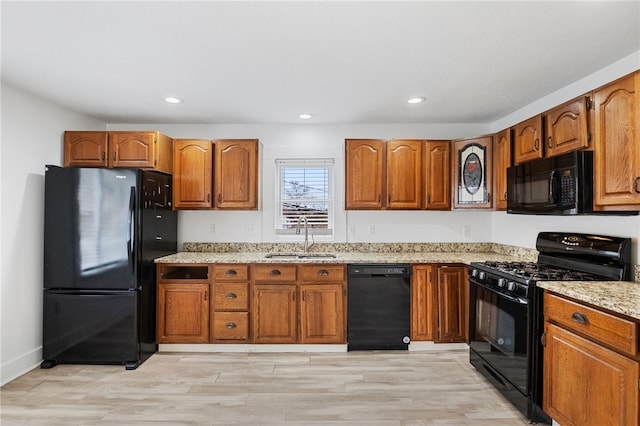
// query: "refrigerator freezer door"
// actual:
[[90, 228], [90, 328]]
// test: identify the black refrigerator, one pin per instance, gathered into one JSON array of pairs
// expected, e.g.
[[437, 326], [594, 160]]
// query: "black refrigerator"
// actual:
[[103, 228]]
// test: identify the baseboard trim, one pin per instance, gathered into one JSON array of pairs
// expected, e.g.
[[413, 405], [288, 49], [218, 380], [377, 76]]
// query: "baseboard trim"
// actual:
[[18, 366]]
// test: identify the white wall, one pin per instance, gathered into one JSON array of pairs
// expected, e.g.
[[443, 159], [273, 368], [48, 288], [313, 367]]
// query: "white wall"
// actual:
[[32, 131]]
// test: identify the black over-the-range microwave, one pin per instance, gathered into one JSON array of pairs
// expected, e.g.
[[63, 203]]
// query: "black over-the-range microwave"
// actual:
[[561, 185]]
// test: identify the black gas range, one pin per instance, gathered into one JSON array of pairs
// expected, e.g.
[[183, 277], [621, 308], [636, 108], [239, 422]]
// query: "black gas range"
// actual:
[[505, 308]]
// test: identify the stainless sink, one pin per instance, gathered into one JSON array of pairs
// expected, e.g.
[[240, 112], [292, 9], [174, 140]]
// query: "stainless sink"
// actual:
[[294, 256]]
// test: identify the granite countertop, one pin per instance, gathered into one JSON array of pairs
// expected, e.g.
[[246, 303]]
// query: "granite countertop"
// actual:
[[353, 257], [622, 297]]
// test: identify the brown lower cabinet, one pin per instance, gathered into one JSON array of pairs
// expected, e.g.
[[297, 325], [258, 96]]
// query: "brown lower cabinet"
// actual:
[[242, 303], [591, 368], [298, 304], [439, 298], [230, 303]]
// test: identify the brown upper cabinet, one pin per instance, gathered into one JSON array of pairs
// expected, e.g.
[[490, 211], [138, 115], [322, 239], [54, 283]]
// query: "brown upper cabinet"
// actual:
[[527, 140], [364, 159], [617, 144], [400, 174], [236, 174], [472, 179], [567, 127], [437, 173], [234, 162], [192, 179], [146, 150], [501, 161], [560, 130], [404, 174]]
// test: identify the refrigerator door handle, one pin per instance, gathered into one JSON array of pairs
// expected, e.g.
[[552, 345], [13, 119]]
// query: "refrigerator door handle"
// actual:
[[131, 242]]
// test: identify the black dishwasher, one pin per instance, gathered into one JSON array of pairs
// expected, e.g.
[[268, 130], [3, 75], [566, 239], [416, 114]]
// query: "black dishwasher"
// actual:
[[378, 306]]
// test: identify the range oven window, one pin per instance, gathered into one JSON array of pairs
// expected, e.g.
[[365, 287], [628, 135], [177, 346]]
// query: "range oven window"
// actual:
[[499, 331]]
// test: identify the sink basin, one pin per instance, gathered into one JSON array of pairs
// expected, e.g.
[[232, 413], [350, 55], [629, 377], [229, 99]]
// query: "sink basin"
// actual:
[[293, 256]]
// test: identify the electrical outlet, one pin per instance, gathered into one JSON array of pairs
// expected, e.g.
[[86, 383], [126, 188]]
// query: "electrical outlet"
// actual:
[[212, 228], [372, 230], [251, 230], [466, 230], [352, 229]]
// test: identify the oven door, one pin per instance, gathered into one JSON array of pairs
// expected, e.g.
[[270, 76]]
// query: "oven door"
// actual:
[[499, 333]]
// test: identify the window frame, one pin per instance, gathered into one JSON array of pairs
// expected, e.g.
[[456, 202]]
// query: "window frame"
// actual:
[[329, 165]]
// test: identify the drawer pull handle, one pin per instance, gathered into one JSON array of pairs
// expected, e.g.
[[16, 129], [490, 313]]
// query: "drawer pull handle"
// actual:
[[231, 325], [231, 272], [635, 184], [230, 296], [580, 318], [275, 272], [323, 272]]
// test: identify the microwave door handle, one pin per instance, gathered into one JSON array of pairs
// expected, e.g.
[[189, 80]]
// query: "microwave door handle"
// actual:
[[553, 193]]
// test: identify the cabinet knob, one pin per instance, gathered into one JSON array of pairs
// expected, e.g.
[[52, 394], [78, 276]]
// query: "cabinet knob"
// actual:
[[536, 144], [323, 272], [231, 272], [230, 296], [231, 325], [275, 272], [635, 184], [550, 142]]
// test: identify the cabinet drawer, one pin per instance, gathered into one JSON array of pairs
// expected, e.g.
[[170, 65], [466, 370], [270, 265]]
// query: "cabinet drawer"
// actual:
[[609, 329], [231, 272], [274, 273], [231, 325], [231, 296], [322, 273]]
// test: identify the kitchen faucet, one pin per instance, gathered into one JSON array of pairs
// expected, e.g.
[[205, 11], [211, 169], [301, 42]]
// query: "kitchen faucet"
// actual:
[[306, 232]]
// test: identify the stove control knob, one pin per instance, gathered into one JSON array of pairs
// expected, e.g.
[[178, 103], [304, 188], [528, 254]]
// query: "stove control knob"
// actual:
[[474, 273], [511, 286], [482, 275], [502, 282]]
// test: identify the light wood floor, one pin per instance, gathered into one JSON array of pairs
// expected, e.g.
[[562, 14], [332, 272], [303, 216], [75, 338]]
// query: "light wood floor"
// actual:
[[352, 388]]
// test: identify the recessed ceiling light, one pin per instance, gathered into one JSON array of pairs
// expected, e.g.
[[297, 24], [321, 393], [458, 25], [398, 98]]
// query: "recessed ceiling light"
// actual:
[[305, 116], [416, 100], [173, 100]]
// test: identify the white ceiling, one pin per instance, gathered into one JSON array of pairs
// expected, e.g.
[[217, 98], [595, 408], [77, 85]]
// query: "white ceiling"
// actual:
[[343, 62]]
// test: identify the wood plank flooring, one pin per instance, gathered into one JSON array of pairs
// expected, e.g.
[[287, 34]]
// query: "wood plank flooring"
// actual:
[[351, 388]]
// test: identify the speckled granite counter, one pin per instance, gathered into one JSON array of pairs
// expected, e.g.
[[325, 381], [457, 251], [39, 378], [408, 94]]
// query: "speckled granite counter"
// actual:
[[350, 253], [260, 257], [622, 297]]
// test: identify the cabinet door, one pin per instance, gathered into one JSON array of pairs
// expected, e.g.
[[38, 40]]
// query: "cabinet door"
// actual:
[[133, 149], [472, 172], [437, 171], [566, 127], [274, 313], [404, 174], [452, 305], [85, 149], [192, 180], [236, 174], [322, 313], [587, 384], [183, 313], [364, 164], [423, 311], [527, 140], [501, 161], [617, 145]]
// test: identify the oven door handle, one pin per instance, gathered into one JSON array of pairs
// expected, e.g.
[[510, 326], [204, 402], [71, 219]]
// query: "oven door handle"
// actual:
[[514, 299]]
